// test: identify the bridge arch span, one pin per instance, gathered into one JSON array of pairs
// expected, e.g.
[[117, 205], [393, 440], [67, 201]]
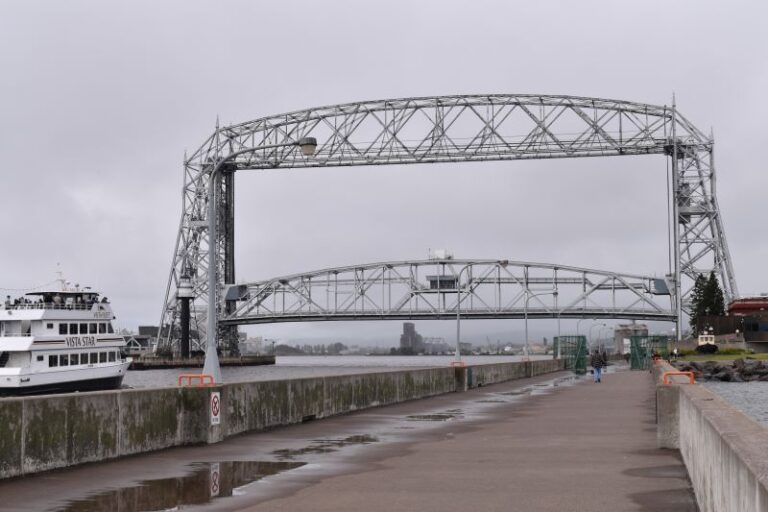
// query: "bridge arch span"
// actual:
[[439, 288]]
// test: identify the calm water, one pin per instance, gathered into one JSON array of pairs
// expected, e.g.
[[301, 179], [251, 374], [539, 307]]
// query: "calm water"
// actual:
[[749, 397], [294, 367]]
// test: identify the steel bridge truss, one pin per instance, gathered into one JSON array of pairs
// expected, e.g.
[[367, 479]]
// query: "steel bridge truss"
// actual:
[[436, 289], [448, 129]]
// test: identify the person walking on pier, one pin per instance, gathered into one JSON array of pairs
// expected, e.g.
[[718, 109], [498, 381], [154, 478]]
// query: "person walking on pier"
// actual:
[[597, 362]]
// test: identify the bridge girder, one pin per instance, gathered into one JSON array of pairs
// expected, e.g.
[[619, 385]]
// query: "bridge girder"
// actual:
[[467, 128], [436, 289]]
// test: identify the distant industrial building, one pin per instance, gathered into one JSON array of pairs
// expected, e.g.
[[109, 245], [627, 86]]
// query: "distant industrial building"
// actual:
[[753, 315], [411, 342], [623, 333], [437, 346], [251, 346]]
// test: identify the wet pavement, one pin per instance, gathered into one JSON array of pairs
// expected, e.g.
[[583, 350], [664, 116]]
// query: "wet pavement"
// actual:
[[373, 459]]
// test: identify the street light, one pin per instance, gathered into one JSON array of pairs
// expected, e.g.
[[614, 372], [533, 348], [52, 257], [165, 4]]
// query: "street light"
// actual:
[[528, 296], [592, 327], [579, 323], [600, 334], [457, 359], [211, 367]]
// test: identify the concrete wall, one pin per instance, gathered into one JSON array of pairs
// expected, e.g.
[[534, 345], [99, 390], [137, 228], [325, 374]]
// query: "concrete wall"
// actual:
[[725, 451], [43, 433]]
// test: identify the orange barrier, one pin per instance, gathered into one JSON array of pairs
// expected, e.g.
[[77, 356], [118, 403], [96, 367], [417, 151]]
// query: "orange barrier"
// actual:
[[665, 377], [203, 380]]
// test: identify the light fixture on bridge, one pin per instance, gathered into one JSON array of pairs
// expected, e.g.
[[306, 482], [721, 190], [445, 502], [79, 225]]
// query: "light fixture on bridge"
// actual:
[[308, 145]]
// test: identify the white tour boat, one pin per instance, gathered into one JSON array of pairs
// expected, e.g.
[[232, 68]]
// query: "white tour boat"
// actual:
[[59, 341]]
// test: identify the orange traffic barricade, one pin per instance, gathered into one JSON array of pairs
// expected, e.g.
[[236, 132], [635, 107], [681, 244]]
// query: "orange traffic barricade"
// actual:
[[199, 380], [665, 377]]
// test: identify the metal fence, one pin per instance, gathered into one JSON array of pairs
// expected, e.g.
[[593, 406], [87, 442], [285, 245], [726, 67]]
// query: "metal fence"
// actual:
[[642, 349], [573, 349]]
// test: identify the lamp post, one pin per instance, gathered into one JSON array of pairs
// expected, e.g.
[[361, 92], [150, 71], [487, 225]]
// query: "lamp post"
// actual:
[[579, 323], [600, 334], [592, 327], [457, 358], [528, 296], [211, 367]]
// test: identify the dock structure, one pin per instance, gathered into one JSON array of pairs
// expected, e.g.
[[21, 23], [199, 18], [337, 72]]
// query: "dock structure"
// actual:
[[197, 362]]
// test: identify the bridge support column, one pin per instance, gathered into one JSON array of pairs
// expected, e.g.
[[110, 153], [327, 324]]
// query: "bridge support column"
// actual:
[[228, 334]]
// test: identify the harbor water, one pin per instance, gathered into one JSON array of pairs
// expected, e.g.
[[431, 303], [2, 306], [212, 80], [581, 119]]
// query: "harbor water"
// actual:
[[295, 367], [751, 398]]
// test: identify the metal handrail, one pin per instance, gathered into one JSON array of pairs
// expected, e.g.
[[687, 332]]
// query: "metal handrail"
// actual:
[[51, 305]]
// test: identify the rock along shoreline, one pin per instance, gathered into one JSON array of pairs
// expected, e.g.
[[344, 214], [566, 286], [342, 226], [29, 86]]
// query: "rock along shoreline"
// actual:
[[740, 370]]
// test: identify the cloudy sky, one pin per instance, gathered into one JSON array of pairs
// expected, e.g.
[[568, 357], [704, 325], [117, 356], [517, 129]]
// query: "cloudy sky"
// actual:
[[99, 101]]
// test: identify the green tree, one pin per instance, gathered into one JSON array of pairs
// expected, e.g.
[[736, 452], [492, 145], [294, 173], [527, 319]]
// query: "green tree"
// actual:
[[715, 297], [698, 302]]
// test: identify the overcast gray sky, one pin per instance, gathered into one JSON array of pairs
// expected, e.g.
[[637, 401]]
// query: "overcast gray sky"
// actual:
[[99, 100]]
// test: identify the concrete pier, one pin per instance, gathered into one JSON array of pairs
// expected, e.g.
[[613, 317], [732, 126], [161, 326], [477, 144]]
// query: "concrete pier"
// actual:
[[532, 444], [587, 447], [56, 431]]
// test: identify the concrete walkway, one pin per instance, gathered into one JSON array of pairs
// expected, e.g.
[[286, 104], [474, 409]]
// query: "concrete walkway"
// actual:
[[589, 447]]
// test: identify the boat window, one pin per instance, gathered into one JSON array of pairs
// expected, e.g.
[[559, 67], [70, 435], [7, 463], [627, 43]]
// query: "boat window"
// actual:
[[111, 357], [53, 361], [91, 328], [109, 328], [72, 328], [102, 328], [64, 360], [74, 360], [39, 358], [94, 357], [63, 329], [102, 357], [49, 326], [83, 328]]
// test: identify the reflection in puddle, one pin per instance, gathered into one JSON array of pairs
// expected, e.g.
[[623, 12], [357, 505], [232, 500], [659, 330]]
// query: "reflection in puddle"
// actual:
[[324, 446], [206, 482]]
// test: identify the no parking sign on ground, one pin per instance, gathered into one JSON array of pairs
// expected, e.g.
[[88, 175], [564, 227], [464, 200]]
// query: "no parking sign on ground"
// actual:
[[215, 408]]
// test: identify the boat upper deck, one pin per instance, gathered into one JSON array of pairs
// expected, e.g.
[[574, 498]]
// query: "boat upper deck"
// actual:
[[63, 300]]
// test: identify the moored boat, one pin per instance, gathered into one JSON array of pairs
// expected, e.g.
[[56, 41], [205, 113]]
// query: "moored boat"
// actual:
[[60, 340]]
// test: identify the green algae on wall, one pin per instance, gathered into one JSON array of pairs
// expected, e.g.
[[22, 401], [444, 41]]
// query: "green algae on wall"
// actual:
[[149, 420], [45, 433], [54, 431], [10, 438]]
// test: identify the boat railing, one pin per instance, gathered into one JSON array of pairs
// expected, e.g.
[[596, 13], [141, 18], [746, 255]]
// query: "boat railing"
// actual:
[[51, 305], [6, 334]]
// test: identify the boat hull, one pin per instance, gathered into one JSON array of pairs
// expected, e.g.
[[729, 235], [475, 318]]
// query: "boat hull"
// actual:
[[17, 382], [65, 387]]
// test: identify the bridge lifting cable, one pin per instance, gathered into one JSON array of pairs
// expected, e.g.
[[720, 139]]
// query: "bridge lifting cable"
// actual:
[[439, 129]]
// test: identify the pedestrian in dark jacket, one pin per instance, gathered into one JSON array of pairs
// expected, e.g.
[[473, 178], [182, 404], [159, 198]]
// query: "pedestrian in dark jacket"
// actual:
[[597, 362]]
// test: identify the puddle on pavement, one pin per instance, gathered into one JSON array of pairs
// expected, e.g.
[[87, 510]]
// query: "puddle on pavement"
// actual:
[[324, 446], [207, 481], [517, 392], [440, 416]]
